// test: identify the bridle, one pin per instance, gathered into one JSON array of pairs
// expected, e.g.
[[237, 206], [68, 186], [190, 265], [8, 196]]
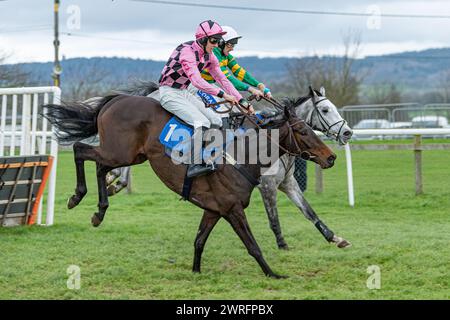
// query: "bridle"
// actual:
[[291, 135], [298, 151], [326, 126]]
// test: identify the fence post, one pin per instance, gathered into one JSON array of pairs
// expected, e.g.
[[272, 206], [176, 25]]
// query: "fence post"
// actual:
[[418, 163], [319, 179], [129, 189], [348, 158]]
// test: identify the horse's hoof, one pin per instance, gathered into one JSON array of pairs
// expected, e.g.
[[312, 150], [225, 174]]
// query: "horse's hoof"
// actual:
[[111, 190], [95, 221], [341, 242], [283, 247], [72, 202], [277, 276]]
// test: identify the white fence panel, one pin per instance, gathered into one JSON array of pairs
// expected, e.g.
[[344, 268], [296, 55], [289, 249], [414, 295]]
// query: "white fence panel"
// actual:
[[23, 132]]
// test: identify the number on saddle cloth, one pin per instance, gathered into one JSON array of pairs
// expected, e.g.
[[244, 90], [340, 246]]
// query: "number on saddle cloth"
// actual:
[[176, 138]]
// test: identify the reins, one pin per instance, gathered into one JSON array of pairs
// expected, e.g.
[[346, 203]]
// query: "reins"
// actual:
[[291, 133]]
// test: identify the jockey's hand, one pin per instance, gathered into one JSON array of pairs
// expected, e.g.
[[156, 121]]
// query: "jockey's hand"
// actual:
[[251, 110], [261, 86], [248, 107], [256, 92], [231, 99], [266, 91]]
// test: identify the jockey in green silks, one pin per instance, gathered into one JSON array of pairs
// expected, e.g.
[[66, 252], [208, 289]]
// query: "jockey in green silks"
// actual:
[[237, 75]]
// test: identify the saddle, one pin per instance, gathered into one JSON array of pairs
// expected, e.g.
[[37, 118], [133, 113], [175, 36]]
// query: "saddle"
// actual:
[[176, 139]]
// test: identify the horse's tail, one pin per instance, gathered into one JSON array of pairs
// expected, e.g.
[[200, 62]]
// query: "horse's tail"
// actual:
[[140, 88], [75, 121]]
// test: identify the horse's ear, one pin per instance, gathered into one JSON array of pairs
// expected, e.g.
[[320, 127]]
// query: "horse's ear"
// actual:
[[322, 91], [287, 111], [312, 93]]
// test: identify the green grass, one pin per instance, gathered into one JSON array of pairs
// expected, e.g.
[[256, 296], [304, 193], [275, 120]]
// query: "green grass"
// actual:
[[144, 248]]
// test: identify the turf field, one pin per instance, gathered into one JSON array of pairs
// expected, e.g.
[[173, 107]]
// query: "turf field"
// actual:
[[144, 248]]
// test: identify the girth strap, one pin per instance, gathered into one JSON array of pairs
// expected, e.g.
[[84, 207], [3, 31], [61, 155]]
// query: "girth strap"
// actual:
[[245, 173], [187, 186], [241, 169]]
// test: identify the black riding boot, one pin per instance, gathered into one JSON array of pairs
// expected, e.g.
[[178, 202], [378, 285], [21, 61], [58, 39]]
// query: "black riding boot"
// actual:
[[198, 167]]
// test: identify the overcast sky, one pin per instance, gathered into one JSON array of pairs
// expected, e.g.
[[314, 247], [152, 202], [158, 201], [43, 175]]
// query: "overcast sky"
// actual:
[[127, 28]]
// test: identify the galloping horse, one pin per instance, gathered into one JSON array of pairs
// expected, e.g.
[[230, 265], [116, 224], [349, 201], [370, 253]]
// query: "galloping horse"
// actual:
[[320, 114], [129, 129]]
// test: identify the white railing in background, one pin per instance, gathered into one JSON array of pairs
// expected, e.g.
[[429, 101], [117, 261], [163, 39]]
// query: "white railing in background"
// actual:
[[383, 132], [33, 135]]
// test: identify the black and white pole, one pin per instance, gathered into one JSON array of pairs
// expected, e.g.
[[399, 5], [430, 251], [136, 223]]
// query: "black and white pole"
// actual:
[[56, 66]]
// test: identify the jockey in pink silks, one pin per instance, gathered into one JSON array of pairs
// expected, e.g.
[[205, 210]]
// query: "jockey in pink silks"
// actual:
[[184, 69]]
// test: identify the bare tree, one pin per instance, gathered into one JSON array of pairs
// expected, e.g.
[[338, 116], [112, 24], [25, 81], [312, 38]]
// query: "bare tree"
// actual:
[[85, 85], [11, 75], [444, 86], [336, 73], [383, 93]]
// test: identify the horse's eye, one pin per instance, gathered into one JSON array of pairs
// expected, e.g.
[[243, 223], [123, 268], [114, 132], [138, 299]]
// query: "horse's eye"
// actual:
[[302, 132], [325, 110]]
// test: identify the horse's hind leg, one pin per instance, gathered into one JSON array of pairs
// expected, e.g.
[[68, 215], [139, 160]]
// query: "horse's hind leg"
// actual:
[[208, 222], [81, 152], [103, 203], [112, 176], [268, 189], [123, 174], [292, 190], [238, 221]]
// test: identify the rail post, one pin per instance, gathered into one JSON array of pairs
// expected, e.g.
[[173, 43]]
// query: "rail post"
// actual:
[[319, 179], [418, 163]]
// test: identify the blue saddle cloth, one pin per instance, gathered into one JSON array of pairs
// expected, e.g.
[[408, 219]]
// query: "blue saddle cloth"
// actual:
[[176, 134], [176, 138]]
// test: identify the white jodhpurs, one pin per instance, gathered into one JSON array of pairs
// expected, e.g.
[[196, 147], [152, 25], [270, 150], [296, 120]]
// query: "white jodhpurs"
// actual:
[[188, 108]]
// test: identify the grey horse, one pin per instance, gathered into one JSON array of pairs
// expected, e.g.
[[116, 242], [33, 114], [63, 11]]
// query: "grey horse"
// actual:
[[322, 115]]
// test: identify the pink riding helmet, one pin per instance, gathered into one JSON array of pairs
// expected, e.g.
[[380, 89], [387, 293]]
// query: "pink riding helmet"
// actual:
[[208, 28]]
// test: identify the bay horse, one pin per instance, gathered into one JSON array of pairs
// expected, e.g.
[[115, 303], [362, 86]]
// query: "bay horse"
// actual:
[[320, 114], [129, 128]]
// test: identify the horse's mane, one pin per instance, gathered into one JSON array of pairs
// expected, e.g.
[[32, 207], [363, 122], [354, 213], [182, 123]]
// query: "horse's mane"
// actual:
[[139, 88], [278, 119]]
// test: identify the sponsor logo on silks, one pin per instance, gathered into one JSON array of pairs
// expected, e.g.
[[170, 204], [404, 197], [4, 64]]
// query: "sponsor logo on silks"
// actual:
[[207, 98]]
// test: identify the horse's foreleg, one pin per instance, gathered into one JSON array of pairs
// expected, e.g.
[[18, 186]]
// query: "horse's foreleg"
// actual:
[[103, 203], [236, 217], [292, 190], [81, 152], [268, 189], [208, 222]]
